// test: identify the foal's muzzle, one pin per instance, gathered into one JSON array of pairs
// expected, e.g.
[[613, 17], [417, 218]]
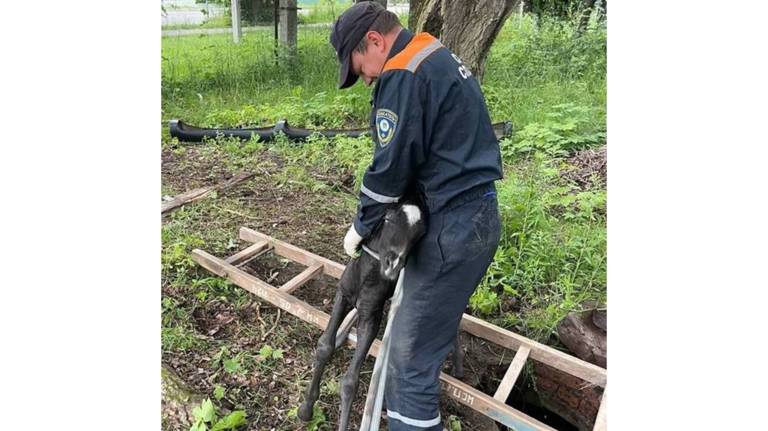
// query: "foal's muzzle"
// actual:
[[391, 264]]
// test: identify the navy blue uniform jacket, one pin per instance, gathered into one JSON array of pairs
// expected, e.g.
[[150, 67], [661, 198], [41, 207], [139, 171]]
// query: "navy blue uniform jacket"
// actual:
[[431, 130]]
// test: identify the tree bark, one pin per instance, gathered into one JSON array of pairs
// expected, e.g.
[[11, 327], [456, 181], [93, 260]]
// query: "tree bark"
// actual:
[[586, 11], [467, 28]]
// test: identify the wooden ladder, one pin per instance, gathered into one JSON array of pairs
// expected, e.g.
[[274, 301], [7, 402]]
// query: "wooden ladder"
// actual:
[[494, 407]]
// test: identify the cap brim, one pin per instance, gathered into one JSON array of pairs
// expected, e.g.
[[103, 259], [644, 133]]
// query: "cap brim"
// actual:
[[346, 76]]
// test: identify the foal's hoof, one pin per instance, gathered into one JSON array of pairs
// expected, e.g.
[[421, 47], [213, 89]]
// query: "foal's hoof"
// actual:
[[458, 372], [305, 412]]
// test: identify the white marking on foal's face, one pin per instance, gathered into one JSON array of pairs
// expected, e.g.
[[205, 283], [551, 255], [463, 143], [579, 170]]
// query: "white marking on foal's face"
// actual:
[[390, 272], [396, 262], [413, 214]]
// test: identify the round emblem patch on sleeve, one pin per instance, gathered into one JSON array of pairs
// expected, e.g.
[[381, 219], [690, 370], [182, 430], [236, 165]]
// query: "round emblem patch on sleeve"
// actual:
[[386, 123]]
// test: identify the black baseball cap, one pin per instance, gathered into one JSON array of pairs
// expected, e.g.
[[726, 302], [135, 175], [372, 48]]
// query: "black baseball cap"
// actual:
[[348, 31]]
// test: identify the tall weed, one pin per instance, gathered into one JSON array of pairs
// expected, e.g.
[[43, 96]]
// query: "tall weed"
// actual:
[[552, 253]]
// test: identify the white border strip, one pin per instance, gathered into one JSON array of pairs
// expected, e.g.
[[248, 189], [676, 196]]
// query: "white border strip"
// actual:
[[424, 53], [415, 422], [377, 197]]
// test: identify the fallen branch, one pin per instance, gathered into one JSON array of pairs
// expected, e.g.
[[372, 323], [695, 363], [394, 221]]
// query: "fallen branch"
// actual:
[[277, 319], [197, 194]]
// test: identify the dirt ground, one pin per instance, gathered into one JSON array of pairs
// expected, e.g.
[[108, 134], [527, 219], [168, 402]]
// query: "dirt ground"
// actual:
[[239, 323]]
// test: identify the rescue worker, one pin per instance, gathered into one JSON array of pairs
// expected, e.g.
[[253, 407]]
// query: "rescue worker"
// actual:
[[432, 134]]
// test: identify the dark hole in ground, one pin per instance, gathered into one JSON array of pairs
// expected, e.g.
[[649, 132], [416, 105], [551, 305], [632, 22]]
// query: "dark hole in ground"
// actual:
[[523, 397]]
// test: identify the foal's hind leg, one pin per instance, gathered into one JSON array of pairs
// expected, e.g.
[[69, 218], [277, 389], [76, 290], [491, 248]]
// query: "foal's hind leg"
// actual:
[[325, 347], [367, 327], [457, 358]]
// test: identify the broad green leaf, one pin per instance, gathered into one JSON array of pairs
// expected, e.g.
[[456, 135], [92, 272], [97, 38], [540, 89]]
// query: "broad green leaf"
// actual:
[[231, 421], [266, 351], [218, 392], [231, 366], [197, 412], [208, 410]]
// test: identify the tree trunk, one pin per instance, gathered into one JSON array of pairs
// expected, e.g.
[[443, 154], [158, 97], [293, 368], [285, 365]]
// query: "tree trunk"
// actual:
[[586, 11], [466, 28]]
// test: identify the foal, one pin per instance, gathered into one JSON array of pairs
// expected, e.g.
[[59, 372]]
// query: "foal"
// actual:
[[366, 284]]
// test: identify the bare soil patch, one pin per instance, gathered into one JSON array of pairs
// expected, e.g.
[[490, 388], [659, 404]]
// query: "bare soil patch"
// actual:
[[588, 168]]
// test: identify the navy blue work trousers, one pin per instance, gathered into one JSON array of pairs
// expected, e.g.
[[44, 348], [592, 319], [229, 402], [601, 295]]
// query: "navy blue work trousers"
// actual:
[[442, 272]]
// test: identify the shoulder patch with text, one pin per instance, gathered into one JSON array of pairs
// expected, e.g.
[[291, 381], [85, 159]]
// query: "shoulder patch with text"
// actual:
[[386, 123]]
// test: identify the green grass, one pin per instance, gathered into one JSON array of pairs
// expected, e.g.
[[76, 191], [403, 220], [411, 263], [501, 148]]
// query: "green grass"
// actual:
[[549, 81], [324, 11], [207, 78]]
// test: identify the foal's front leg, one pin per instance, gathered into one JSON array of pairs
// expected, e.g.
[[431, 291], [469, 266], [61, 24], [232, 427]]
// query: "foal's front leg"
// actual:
[[325, 347], [367, 327]]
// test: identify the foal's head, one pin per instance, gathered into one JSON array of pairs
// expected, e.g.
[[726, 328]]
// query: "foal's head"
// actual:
[[402, 227]]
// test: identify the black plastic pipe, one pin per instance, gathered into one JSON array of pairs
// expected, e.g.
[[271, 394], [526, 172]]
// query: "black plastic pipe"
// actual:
[[188, 133]]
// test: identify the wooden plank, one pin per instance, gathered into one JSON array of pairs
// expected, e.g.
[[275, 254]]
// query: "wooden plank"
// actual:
[[245, 254], [452, 387], [510, 377], [185, 198], [480, 328], [601, 423], [262, 289], [197, 194], [539, 352], [489, 406], [294, 253], [301, 278]]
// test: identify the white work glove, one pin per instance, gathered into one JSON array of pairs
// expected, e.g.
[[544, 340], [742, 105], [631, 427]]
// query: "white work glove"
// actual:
[[352, 241]]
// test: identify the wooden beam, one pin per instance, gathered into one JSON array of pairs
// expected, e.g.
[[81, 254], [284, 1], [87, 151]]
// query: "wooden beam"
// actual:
[[197, 194], [303, 277], [454, 388], [294, 253], [510, 377], [539, 352], [262, 289], [601, 422], [184, 198], [489, 406], [247, 253]]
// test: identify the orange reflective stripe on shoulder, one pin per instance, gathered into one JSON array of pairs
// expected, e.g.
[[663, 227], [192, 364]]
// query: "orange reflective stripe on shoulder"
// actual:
[[412, 55]]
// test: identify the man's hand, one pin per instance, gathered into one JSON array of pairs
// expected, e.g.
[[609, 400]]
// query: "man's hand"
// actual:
[[352, 241]]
